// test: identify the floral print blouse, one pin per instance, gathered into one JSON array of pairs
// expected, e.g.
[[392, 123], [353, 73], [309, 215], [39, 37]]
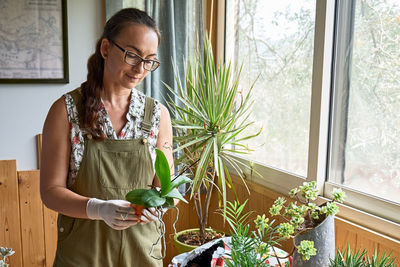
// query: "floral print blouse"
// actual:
[[131, 130]]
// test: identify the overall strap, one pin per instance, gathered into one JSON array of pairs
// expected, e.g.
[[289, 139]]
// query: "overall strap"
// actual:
[[77, 97], [148, 114]]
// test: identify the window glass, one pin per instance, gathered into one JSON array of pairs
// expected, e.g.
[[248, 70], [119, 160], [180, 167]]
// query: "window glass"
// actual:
[[274, 42], [366, 135]]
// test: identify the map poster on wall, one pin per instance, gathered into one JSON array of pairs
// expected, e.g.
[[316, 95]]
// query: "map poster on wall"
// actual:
[[33, 41]]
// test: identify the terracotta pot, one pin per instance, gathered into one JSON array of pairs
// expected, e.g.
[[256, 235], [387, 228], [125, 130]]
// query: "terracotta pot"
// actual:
[[324, 241], [182, 247]]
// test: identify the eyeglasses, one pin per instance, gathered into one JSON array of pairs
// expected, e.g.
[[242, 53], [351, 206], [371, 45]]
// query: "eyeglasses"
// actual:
[[134, 59]]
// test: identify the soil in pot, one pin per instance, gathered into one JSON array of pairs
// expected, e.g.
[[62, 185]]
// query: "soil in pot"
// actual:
[[193, 238]]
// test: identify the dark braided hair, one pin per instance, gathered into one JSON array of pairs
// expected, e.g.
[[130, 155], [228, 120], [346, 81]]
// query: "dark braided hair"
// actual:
[[93, 85]]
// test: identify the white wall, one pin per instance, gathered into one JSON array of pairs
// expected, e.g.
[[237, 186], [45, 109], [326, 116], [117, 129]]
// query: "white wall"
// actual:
[[23, 107]]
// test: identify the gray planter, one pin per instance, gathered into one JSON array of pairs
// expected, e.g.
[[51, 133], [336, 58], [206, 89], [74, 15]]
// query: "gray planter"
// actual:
[[324, 241]]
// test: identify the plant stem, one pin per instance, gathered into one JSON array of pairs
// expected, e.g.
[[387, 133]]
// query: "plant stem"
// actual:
[[276, 256], [185, 169], [197, 205], [206, 206]]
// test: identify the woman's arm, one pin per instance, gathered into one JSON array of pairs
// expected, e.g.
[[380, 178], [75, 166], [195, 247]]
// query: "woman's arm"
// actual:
[[164, 139], [56, 149]]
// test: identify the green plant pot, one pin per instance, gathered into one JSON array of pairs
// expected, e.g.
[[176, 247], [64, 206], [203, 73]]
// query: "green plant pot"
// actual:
[[182, 247]]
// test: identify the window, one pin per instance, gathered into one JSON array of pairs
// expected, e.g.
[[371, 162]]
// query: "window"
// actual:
[[365, 141], [274, 42], [328, 95]]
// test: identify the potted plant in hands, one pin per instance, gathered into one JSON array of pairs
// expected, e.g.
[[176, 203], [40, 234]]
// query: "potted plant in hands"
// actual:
[[309, 225], [209, 124], [159, 198]]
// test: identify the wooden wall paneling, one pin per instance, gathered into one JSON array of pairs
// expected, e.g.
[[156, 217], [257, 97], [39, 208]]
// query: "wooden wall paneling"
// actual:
[[185, 221], [31, 219], [343, 235], [359, 237], [50, 234], [10, 228]]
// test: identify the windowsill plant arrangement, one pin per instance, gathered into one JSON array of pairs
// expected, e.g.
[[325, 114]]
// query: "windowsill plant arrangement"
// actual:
[[303, 215], [254, 248]]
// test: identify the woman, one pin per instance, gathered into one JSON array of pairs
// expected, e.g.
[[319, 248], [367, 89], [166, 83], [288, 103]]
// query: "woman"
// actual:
[[99, 143]]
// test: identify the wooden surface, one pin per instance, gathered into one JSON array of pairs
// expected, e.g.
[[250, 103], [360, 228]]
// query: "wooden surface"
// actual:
[[27, 226], [10, 228], [358, 237], [50, 234], [31, 219]]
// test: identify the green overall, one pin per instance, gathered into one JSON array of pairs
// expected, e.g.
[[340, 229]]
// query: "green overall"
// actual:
[[109, 169]]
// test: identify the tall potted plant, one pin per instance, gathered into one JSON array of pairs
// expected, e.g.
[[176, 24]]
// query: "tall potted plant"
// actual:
[[210, 117]]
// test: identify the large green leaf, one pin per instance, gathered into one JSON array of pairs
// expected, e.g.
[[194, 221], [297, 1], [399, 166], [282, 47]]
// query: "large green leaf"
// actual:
[[152, 198], [169, 202], [175, 194], [180, 180], [163, 172], [136, 196]]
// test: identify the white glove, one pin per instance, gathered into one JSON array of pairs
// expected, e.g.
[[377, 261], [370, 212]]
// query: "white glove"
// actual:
[[118, 214], [151, 214]]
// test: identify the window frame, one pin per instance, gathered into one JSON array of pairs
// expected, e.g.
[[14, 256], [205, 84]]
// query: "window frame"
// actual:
[[363, 209]]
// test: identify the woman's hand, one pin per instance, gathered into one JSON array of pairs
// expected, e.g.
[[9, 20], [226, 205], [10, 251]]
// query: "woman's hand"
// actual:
[[151, 214], [118, 214]]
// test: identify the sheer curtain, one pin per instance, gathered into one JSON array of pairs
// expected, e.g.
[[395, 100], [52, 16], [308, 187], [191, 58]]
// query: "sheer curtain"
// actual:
[[180, 23]]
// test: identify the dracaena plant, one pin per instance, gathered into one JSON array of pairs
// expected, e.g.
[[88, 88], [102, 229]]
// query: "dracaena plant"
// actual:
[[210, 117], [303, 214], [159, 198]]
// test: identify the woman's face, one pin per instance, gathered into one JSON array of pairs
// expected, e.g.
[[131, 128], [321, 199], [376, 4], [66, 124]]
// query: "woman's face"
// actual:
[[136, 38]]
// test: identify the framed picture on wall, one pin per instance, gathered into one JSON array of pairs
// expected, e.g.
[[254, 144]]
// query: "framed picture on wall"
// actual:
[[33, 41]]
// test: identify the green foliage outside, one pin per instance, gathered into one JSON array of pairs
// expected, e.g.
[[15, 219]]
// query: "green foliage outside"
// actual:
[[279, 44]]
